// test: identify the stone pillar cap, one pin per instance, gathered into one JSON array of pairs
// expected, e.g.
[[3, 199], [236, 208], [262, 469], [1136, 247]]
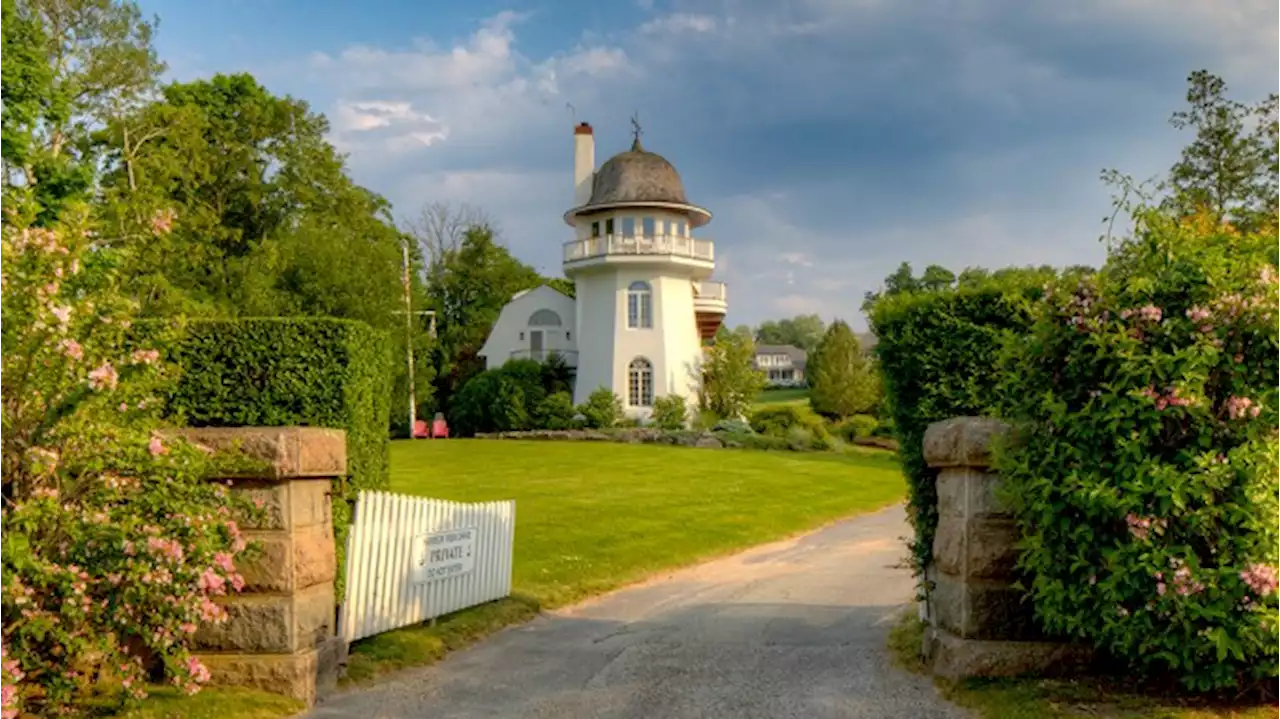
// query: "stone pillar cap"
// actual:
[[290, 452], [962, 441]]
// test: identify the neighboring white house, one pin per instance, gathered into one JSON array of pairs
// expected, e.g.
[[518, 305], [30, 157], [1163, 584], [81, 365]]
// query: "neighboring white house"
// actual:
[[533, 325], [644, 300], [783, 365]]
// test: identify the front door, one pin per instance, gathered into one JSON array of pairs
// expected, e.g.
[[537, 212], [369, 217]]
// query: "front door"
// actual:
[[535, 345]]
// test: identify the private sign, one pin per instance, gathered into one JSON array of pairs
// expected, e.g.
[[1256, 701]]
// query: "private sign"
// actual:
[[443, 554]]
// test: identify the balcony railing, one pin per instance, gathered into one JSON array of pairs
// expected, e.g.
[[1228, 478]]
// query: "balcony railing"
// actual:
[[570, 357], [680, 246], [714, 291]]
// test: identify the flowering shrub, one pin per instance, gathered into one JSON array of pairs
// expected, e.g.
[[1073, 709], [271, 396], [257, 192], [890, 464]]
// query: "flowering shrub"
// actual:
[[1144, 469], [114, 545]]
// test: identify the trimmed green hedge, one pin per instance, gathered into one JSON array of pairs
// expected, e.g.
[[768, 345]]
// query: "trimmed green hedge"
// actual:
[[939, 356], [277, 372]]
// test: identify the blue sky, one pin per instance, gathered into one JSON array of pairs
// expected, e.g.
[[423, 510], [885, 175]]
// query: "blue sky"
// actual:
[[833, 139]]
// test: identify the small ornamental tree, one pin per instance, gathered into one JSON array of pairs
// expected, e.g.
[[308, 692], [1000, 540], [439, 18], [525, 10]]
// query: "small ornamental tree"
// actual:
[[730, 380], [670, 412], [114, 542], [842, 379], [602, 410], [1143, 469]]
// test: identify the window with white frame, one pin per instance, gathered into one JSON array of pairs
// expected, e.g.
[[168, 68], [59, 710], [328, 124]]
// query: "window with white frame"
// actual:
[[544, 318], [639, 305], [640, 383]]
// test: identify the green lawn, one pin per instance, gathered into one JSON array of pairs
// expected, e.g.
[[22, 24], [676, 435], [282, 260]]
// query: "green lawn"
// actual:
[[797, 396], [1077, 698], [591, 517]]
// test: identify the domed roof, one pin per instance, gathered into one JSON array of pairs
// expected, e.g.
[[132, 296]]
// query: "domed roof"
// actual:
[[636, 175]]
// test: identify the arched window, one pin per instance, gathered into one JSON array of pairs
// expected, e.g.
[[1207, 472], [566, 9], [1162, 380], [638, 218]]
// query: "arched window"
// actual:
[[640, 383], [544, 318], [639, 305]]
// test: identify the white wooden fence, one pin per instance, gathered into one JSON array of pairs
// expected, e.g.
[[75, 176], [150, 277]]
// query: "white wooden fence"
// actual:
[[410, 559]]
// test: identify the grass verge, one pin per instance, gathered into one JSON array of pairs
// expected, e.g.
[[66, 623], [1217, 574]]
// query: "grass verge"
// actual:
[[592, 517], [1093, 697]]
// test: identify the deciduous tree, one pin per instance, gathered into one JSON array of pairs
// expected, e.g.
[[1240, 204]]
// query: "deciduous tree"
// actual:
[[842, 379]]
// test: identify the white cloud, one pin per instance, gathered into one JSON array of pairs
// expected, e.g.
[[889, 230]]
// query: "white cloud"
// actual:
[[478, 121], [679, 23]]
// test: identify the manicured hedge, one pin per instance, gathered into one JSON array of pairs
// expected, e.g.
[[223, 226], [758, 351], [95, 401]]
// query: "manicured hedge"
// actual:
[[939, 356], [278, 372]]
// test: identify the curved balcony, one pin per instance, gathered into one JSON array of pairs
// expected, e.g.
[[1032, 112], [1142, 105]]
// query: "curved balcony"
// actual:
[[692, 251], [710, 303]]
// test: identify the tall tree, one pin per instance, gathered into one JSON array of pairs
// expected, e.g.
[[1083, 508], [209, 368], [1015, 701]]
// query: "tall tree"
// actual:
[[1230, 169], [75, 65], [730, 381], [469, 290], [842, 379], [26, 95], [803, 331]]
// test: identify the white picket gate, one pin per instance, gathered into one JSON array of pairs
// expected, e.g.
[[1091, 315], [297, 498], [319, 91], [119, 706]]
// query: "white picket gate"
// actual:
[[410, 559]]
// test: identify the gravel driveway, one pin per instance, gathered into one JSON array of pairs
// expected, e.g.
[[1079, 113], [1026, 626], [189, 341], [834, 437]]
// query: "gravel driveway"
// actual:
[[791, 629]]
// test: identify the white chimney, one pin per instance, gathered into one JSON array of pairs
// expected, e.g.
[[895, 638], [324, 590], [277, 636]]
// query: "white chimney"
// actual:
[[584, 163]]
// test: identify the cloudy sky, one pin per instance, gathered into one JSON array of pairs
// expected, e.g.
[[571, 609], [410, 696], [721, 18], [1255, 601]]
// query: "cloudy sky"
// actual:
[[832, 139]]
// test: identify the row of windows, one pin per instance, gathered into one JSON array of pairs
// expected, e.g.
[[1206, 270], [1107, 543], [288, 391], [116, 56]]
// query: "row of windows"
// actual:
[[649, 227], [767, 360]]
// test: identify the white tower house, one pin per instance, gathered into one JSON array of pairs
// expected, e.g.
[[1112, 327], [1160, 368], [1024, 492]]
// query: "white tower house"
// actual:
[[644, 302]]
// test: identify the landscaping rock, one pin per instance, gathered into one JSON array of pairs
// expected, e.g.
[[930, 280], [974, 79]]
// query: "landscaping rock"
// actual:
[[707, 440]]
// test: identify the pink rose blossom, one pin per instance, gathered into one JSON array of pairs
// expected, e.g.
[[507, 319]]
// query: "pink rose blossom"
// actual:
[[146, 356], [225, 562], [62, 313], [156, 447], [1239, 407], [1151, 313], [1261, 578], [71, 348], [104, 377], [1198, 314]]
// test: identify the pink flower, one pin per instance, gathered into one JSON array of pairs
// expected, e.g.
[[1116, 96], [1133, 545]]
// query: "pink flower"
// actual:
[[1160, 588], [197, 670], [104, 377], [156, 447], [1150, 313], [1261, 578], [211, 582], [71, 348], [211, 611], [225, 562], [1198, 314], [1138, 526], [187, 628], [63, 313], [162, 221], [146, 356], [1238, 407], [169, 548]]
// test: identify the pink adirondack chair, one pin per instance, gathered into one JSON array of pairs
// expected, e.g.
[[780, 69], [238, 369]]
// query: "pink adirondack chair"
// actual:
[[420, 430], [439, 428]]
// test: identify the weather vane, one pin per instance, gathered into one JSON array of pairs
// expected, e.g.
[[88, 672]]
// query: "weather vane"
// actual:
[[636, 132]]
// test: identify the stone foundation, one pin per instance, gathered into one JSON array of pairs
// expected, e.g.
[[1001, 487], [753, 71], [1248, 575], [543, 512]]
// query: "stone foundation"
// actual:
[[280, 634], [980, 625]]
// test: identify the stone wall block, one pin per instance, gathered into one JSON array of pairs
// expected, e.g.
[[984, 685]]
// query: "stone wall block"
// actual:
[[969, 492], [273, 569], [962, 441], [287, 452], [314, 559], [293, 674], [310, 504], [255, 624], [974, 609]]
